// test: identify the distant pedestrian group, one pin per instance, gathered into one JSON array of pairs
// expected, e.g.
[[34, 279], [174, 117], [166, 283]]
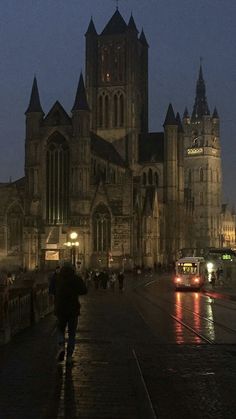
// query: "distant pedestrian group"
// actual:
[[105, 279]]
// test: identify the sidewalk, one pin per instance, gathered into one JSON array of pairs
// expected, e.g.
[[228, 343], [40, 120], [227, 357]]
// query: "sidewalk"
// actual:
[[104, 380], [226, 290]]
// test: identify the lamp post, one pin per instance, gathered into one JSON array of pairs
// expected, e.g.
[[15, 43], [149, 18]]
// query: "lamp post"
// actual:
[[72, 244]]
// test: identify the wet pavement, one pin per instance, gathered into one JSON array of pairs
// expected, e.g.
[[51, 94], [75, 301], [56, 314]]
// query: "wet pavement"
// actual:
[[118, 365]]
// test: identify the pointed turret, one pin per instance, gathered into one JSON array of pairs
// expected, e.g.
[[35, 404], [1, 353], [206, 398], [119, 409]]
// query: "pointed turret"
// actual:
[[200, 106], [143, 39], [34, 104], [116, 25], [170, 117], [215, 114], [186, 114], [80, 103], [179, 123], [131, 25], [91, 28]]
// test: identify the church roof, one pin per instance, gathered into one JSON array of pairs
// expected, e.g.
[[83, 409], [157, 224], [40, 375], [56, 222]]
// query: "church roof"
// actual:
[[57, 116], [34, 104], [151, 147], [115, 25], [105, 150], [80, 103]]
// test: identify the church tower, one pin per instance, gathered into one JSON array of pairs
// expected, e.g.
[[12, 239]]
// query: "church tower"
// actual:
[[203, 173], [117, 84]]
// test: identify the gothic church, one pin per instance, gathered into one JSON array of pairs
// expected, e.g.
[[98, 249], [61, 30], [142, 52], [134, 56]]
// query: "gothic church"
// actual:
[[133, 197]]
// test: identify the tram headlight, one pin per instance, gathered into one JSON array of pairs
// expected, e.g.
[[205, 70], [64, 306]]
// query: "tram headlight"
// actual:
[[209, 267]]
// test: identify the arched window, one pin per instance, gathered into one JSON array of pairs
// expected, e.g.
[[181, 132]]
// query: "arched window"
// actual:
[[121, 110], [201, 174], [150, 177], [57, 180], [100, 111], [144, 178], [115, 113], [106, 116], [14, 229], [156, 179], [101, 229]]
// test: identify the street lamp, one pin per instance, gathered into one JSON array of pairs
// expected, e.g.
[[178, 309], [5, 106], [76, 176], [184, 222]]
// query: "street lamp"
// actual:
[[72, 244]]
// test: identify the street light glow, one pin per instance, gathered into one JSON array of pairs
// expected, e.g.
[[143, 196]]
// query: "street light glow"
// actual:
[[73, 235]]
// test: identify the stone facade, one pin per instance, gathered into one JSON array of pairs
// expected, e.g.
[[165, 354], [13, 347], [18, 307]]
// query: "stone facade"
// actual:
[[99, 172], [228, 235]]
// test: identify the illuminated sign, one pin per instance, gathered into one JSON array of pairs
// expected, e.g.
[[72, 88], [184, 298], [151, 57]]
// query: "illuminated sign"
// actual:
[[194, 151], [52, 255], [187, 264], [226, 257]]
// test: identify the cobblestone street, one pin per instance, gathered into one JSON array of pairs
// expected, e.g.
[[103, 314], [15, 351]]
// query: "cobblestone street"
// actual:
[[182, 381]]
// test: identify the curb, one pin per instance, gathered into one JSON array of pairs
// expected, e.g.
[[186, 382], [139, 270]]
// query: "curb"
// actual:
[[219, 295]]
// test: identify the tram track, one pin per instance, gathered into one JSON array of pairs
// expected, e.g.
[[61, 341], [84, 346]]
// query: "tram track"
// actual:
[[216, 323], [184, 324], [192, 312], [147, 404]]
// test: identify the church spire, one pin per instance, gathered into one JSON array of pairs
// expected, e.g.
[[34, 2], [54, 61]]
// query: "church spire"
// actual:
[[34, 104], [91, 28], [80, 103], [170, 116], [179, 123], [215, 114], [132, 25], [200, 107], [143, 38]]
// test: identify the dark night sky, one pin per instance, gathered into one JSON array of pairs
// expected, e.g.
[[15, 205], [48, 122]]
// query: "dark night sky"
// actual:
[[46, 38]]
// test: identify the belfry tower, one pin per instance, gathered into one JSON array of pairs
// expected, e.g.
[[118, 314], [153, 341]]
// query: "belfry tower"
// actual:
[[203, 173], [117, 84]]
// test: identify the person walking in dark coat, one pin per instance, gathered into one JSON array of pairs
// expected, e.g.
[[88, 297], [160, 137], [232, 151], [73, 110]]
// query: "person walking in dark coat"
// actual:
[[121, 278], [66, 288]]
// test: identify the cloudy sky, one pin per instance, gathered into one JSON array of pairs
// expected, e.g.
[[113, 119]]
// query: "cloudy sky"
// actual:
[[46, 38]]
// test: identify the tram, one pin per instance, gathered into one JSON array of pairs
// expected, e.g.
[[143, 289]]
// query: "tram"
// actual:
[[190, 273]]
